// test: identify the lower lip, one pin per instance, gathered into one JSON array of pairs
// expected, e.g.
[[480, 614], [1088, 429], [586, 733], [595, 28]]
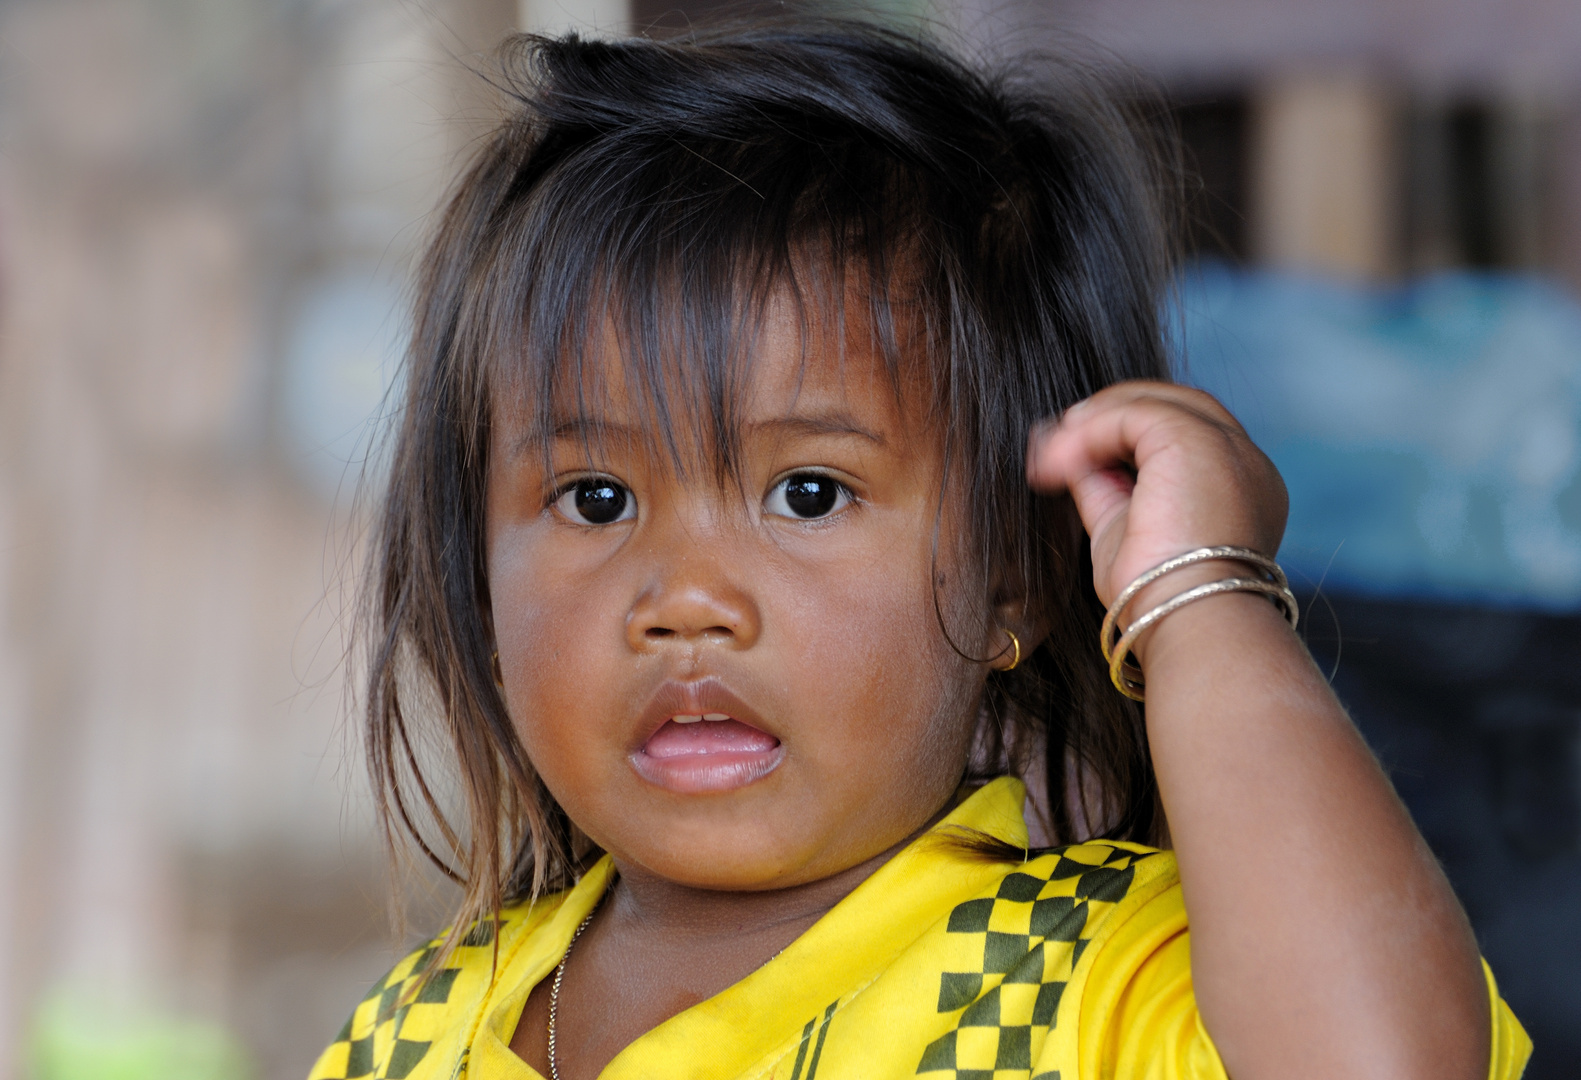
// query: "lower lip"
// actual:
[[707, 756]]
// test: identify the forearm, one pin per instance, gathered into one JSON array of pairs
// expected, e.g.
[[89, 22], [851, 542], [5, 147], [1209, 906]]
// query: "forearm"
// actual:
[[1325, 939]]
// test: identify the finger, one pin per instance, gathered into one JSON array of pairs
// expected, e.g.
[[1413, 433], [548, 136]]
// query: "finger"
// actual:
[[1189, 399], [1113, 432], [1101, 497]]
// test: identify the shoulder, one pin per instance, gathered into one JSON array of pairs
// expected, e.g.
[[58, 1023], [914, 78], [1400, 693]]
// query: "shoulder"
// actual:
[[1068, 898], [1018, 958], [410, 1023], [1086, 883], [1035, 922]]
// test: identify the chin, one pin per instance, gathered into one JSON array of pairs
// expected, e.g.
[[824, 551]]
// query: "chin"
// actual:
[[731, 860]]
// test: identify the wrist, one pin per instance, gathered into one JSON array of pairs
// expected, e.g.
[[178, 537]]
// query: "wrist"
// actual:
[[1203, 622], [1177, 582], [1186, 581]]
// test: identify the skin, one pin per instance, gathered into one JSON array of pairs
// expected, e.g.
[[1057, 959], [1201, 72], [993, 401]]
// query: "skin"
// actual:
[[1337, 921]]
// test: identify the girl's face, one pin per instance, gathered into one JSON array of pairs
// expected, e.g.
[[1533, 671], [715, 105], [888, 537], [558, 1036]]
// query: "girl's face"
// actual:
[[729, 692]]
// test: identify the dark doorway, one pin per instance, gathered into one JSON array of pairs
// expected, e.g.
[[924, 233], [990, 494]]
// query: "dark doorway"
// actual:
[[1215, 140], [1476, 714]]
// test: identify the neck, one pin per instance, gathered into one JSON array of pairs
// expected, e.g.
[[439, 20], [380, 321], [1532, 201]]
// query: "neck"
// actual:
[[687, 912], [666, 907]]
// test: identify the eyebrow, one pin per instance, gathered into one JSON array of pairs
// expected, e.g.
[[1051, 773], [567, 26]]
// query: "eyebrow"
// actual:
[[827, 423], [814, 424], [574, 428], [584, 427]]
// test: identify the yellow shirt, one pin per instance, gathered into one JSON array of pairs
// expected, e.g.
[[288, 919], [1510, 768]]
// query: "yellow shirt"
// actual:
[[1074, 965]]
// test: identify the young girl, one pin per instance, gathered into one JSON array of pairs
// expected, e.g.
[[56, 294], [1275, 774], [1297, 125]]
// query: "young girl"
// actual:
[[732, 581]]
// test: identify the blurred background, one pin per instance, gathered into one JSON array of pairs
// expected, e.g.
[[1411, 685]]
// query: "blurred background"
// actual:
[[208, 211]]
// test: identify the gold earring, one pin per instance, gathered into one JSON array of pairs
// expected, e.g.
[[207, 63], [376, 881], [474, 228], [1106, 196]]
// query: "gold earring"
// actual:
[[499, 676], [1016, 643]]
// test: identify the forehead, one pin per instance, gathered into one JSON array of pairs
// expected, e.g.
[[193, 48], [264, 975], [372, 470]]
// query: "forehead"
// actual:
[[796, 368]]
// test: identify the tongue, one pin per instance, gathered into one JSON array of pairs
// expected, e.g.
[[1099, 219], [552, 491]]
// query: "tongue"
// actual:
[[708, 737]]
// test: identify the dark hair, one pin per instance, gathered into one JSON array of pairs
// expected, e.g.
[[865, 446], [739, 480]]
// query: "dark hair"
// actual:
[[1014, 219]]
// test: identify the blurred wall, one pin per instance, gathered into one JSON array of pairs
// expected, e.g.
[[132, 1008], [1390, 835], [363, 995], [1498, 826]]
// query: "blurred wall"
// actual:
[[1518, 42], [207, 211], [1339, 91]]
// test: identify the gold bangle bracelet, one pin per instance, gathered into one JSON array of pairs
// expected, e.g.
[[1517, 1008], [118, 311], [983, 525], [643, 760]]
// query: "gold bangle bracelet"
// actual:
[[1128, 678], [1116, 646], [1108, 636]]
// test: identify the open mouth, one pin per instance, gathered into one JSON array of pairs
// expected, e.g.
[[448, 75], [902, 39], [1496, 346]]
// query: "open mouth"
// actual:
[[706, 752]]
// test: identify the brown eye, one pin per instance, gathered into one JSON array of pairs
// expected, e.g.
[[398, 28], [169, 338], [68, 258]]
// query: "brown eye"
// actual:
[[596, 500], [807, 496]]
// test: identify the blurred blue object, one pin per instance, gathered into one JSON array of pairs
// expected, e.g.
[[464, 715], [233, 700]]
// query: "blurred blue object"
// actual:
[[1430, 433]]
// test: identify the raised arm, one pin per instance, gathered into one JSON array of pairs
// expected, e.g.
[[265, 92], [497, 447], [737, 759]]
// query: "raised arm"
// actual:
[[1325, 940]]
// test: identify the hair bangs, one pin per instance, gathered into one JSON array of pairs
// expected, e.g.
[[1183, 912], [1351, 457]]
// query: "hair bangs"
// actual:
[[643, 265]]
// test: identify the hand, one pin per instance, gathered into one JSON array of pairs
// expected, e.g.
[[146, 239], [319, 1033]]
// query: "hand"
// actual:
[[1198, 481]]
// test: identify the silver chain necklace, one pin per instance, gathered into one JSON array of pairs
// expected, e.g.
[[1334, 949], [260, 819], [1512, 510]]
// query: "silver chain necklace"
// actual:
[[554, 992]]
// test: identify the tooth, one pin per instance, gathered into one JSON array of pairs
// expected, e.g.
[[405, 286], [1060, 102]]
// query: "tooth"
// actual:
[[716, 716], [685, 719]]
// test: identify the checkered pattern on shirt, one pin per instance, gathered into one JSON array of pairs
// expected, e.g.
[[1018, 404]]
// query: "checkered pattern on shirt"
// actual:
[[1012, 954], [392, 1029]]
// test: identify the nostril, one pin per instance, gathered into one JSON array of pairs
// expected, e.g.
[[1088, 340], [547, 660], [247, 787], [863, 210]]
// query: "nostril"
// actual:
[[658, 633]]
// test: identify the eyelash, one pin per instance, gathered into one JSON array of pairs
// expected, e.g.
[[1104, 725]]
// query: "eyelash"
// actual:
[[624, 508], [843, 495]]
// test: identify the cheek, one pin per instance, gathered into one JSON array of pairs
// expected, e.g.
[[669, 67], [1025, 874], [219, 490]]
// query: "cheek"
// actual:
[[557, 631], [870, 657]]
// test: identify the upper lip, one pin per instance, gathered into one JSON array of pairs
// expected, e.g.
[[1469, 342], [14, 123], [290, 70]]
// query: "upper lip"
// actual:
[[691, 698]]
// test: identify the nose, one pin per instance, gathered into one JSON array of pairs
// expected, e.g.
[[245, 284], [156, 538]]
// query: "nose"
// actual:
[[692, 596]]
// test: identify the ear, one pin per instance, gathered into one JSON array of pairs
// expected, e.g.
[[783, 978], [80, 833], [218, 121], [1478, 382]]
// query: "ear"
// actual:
[[1017, 630]]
